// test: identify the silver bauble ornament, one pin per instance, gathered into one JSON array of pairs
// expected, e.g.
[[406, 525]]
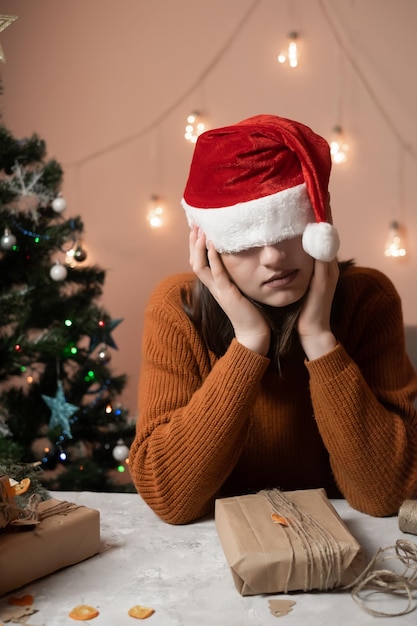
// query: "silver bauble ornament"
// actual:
[[120, 451], [8, 240], [58, 272], [59, 204]]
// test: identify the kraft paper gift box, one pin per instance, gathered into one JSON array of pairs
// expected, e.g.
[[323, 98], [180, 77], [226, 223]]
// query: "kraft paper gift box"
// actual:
[[66, 534], [277, 541]]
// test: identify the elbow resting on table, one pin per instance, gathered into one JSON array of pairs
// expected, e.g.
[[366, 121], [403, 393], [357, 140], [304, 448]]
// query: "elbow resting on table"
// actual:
[[174, 514], [171, 507], [377, 507]]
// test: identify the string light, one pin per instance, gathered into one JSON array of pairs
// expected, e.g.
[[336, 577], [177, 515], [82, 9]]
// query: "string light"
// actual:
[[338, 146], [69, 256], [292, 53], [155, 123], [156, 213], [194, 127], [90, 376], [395, 244]]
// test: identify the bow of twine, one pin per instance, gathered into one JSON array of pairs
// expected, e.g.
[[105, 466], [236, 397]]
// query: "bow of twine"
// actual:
[[12, 513], [388, 581]]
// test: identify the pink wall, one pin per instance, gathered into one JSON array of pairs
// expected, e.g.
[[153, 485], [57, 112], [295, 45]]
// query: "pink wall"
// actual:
[[109, 84]]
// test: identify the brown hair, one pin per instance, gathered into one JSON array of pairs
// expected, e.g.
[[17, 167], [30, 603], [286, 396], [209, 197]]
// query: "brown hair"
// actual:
[[217, 331]]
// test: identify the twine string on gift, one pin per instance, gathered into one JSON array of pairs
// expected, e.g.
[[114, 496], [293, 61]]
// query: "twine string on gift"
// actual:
[[388, 581], [60, 508], [31, 511], [12, 513], [322, 550]]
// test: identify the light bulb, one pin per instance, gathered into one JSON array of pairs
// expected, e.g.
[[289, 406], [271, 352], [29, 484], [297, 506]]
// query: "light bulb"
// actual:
[[155, 215], [194, 127], [338, 146], [69, 257], [292, 53], [395, 245]]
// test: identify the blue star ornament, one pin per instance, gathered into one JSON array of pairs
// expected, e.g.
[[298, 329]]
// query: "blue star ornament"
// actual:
[[103, 334], [61, 411]]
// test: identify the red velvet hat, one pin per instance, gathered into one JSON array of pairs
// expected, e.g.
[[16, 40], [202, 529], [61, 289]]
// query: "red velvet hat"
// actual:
[[260, 181]]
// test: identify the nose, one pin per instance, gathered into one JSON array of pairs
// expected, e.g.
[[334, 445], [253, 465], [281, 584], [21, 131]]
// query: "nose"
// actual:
[[271, 255]]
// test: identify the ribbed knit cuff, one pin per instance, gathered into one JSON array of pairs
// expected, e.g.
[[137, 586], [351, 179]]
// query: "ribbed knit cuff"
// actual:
[[246, 360], [328, 365]]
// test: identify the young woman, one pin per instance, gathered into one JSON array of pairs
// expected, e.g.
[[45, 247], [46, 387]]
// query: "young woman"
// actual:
[[271, 364]]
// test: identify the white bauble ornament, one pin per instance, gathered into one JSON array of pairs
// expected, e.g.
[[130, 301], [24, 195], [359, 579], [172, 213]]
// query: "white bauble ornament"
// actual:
[[120, 451], [59, 204], [58, 272], [8, 240]]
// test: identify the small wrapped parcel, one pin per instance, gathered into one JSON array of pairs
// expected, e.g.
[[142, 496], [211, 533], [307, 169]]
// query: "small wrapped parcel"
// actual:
[[278, 541]]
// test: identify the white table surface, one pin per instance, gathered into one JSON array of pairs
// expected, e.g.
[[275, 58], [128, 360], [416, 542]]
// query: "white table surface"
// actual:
[[182, 573]]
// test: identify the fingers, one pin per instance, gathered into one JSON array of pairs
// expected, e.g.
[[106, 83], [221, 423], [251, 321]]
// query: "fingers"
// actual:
[[250, 327], [198, 250], [326, 271], [205, 260], [216, 264]]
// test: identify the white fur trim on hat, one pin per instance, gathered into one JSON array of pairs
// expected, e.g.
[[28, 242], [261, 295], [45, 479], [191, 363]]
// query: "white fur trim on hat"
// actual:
[[254, 223], [321, 241]]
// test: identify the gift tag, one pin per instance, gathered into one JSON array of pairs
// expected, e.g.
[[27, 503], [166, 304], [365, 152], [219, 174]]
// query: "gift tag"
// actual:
[[279, 608]]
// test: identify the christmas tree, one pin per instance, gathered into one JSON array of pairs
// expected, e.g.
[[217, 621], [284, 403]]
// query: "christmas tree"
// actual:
[[58, 398]]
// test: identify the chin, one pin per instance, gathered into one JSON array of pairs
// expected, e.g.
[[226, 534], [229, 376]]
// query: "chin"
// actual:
[[281, 300]]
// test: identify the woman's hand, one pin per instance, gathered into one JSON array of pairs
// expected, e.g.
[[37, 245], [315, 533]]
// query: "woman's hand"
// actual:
[[314, 321], [250, 327]]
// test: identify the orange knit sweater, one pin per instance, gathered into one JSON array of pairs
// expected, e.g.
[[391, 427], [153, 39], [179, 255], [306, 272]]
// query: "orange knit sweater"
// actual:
[[211, 426]]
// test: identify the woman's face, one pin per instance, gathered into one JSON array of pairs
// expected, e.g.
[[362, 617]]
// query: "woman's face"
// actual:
[[276, 275]]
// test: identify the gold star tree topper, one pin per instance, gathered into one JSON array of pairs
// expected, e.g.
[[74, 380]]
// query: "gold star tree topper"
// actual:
[[5, 21]]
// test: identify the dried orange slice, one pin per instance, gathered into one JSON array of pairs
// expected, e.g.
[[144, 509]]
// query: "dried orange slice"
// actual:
[[26, 600], [140, 612], [83, 611], [278, 519], [21, 487]]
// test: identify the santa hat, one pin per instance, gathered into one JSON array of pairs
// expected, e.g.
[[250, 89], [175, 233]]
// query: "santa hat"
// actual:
[[260, 181]]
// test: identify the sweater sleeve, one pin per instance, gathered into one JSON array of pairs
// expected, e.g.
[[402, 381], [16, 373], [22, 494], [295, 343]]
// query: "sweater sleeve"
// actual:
[[193, 414], [362, 397]]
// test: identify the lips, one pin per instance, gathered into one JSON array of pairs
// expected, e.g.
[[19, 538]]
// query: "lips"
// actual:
[[281, 279]]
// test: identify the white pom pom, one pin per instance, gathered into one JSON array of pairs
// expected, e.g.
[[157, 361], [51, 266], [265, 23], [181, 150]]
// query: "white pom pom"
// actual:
[[321, 241]]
